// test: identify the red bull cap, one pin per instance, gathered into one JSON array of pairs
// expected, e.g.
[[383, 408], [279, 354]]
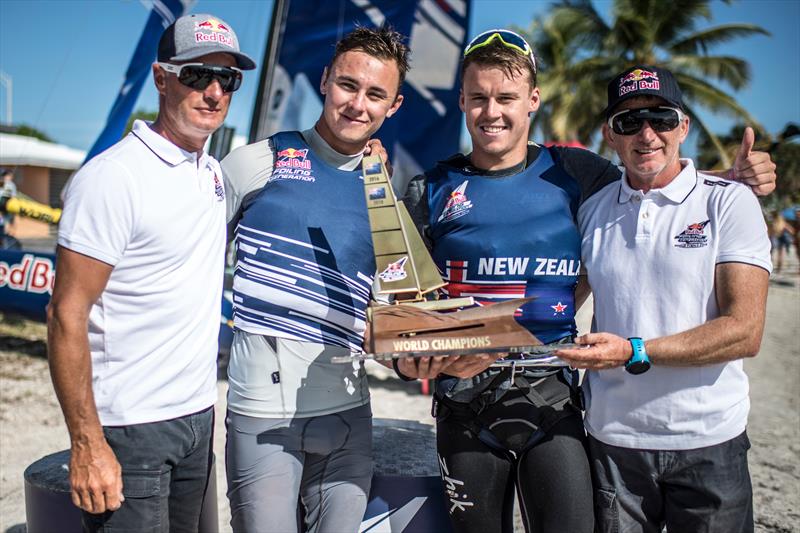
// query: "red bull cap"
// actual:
[[199, 34], [643, 80]]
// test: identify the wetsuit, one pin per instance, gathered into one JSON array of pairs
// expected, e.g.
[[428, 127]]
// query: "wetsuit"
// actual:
[[299, 426], [498, 235]]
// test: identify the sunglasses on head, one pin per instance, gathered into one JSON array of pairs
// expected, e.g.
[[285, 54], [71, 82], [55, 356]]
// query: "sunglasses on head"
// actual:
[[631, 121], [507, 38], [199, 76]]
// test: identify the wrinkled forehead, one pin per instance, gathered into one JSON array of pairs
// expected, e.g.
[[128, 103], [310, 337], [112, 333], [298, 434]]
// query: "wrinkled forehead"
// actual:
[[217, 58], [638, 102]]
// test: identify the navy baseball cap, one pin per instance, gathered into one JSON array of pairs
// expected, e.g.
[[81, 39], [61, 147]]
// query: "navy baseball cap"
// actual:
[[643, 80], [196, 35]]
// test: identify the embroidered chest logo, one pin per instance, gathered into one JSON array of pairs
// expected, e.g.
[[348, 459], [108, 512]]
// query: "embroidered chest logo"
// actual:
[[395, 271], [457, 204], [291, 164], [559, 308], [693, 236], [218, 189]]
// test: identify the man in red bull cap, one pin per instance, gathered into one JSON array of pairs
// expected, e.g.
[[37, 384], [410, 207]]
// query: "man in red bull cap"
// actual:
[[502, 430], [299, 426], [678, 261], [134, 317]]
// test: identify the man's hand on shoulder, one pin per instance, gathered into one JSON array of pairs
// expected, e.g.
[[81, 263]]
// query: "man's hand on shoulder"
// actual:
[[95, 476]]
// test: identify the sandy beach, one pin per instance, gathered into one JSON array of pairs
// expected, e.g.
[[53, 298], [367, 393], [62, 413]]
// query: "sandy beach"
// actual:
[[31, 425]]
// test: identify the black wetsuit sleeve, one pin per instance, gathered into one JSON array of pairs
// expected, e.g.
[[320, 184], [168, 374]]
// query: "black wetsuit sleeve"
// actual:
[[416, 201], [591, 171]]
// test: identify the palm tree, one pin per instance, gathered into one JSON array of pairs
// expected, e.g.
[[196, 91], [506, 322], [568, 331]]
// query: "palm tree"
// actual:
[[579, 52]]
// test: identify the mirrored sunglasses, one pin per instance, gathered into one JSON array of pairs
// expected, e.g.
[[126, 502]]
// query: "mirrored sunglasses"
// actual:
[[631, 121], [199, 76], [507, 38]]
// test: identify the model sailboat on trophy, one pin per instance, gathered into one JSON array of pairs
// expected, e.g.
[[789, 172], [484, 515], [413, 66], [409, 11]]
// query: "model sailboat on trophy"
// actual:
[[417, 323]]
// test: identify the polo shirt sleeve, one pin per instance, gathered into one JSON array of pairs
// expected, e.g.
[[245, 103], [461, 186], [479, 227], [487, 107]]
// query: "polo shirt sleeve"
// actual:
[[742, 229], [245, 171], [100, 208]]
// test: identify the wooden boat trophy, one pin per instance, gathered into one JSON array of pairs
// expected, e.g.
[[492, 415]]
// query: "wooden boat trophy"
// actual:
[[417, 324]]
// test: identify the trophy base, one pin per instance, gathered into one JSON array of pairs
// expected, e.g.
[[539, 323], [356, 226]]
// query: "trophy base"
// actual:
[[408, 330]]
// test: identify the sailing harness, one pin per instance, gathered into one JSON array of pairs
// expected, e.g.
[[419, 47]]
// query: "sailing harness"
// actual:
[[514, 395]]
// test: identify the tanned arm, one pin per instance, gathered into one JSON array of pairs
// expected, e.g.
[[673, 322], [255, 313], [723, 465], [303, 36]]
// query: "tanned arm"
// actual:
[[741, 291], [94, 472]]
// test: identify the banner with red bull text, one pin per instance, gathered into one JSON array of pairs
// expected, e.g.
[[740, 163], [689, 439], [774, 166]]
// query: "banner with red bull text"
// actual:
[[163, 13], [426, 129], [26, 282]]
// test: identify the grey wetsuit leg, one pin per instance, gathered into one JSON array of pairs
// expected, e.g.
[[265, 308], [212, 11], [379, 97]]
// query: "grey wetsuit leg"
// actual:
[[338, 470], [261, 475], [325, 460]]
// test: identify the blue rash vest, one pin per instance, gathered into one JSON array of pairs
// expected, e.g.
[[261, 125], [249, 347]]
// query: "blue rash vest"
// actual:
[[305, 262], [499, 238]]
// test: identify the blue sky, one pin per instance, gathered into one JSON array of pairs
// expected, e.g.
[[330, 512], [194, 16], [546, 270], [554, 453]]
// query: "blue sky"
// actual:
[[67, 57]]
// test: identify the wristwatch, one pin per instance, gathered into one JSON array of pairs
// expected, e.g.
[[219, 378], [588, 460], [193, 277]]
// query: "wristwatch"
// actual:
[[639, 363]]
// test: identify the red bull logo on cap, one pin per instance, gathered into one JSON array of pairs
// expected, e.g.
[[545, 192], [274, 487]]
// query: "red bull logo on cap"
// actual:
[[220, 33], [639, 80], [211, 24]]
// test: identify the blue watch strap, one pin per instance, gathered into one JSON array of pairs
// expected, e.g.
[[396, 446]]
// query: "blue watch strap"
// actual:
[[639, 362]]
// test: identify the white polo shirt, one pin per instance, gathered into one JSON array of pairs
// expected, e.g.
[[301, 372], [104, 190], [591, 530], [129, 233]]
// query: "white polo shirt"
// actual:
[[651, 260], [157, 215]]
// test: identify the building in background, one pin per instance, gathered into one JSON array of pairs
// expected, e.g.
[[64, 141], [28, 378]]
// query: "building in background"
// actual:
[[40, 171]]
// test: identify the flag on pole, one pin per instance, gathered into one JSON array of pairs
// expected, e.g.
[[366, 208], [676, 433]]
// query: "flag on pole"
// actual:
[[162, 14]]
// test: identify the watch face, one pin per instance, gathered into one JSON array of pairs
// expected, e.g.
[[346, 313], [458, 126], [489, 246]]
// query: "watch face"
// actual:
[[637, 367], [639, 363]]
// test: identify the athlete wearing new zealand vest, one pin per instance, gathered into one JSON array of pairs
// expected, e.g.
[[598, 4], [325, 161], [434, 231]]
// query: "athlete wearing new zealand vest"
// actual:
[[499, 235], [298, 425]]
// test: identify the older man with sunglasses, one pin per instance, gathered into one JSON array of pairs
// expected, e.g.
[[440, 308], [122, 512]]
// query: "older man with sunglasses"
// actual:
[[500, 223], [133, 322], [679, 263]]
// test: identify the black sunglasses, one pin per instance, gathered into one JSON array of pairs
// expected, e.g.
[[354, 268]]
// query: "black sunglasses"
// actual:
[[199, 76], [631, 121]]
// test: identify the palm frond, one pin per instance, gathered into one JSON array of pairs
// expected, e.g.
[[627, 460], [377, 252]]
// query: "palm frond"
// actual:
[[701, 41]]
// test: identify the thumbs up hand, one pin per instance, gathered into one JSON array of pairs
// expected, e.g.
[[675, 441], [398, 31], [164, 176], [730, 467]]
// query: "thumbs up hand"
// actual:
[[754, 168]]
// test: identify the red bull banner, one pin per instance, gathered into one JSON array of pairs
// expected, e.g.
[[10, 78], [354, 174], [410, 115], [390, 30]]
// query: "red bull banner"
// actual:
[[26, 282]]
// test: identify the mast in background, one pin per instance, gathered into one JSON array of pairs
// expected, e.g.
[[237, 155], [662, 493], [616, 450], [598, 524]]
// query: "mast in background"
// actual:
[[265, 102]]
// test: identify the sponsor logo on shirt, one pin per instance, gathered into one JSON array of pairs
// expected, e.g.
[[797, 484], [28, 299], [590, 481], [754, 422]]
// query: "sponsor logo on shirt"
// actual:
[[693, 236], [713, 183], [457, 204], [218, 189], [395, 271], [291, 164], [518, 266]]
